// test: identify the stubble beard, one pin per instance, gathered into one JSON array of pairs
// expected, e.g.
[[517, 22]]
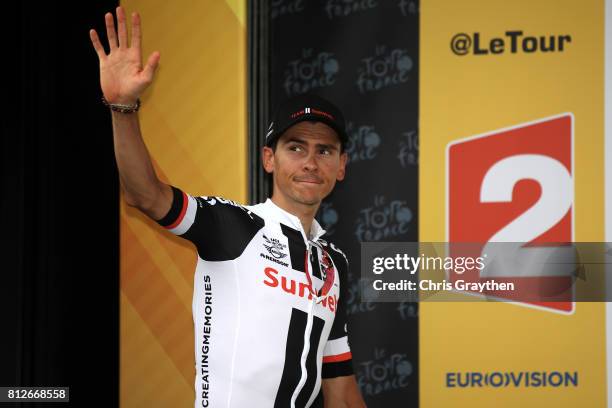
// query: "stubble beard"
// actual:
[[293, 193], [299, 198]]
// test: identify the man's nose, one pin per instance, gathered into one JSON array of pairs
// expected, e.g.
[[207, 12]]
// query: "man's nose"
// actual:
[[310, 164]]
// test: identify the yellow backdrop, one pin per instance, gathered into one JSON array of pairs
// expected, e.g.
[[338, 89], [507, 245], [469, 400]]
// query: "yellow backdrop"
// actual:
[[194, 124], [467, 95]]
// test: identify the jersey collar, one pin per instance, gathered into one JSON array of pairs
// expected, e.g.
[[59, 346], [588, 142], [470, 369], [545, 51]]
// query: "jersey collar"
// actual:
[[279, 215]]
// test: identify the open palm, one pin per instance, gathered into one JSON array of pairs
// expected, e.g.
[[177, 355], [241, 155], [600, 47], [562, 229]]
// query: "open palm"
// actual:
[[123, 78]]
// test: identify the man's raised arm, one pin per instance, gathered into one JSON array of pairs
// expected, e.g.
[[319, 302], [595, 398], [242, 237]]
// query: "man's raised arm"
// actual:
[[123, 79]]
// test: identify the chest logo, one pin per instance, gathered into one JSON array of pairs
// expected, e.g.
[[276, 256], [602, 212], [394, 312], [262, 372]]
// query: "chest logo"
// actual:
[[275, 247], [328, 271]]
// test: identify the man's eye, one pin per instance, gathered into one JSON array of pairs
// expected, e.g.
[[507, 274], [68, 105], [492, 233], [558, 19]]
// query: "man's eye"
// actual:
[[295, 148], [325, 152]]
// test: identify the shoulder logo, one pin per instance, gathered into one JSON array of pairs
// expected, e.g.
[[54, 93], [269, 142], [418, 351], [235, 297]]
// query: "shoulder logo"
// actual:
[[275, 247], [212, 201]]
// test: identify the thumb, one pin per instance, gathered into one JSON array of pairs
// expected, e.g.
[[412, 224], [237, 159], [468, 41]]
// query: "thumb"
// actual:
[[151, 65]]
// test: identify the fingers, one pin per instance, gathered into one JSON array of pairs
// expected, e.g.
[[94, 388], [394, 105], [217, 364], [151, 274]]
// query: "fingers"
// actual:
[[136, 31], [151, 66], [122, 29], [110, 31], [97, 44]]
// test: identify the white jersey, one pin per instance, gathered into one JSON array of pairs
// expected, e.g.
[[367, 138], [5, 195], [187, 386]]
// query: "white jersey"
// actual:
[[268, 304]]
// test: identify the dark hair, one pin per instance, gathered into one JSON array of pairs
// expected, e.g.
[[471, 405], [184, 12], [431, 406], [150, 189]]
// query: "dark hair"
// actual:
[[274, 144]]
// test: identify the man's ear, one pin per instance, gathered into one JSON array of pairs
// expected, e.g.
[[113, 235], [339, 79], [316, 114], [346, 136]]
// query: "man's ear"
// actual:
[[342, 168], [267, 159]]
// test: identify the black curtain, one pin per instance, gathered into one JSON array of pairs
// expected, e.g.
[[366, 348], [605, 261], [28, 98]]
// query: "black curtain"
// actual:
[[59, 292], [364, 56], [258, 95]]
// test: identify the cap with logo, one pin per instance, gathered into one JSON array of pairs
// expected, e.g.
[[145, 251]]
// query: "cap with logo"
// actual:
[[305, 107]]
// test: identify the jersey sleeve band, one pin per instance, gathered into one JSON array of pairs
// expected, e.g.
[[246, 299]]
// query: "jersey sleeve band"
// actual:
[[337, 369], [175, 208], [338, 357], [181, 215], [336, 347]]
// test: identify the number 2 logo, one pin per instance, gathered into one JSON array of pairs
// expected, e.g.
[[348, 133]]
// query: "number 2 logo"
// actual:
[[514, 185]]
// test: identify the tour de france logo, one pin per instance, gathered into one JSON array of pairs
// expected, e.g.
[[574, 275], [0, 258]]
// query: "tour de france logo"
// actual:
[[312, 70]]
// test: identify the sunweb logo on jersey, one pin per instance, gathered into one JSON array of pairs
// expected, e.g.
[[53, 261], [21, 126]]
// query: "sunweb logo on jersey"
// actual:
[[299, 288]]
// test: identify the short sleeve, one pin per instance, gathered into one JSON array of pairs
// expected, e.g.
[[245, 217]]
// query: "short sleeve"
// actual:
[[219, 228], [337, 357]]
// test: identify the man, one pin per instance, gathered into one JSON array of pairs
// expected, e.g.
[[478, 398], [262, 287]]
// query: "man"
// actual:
[[269, 312]]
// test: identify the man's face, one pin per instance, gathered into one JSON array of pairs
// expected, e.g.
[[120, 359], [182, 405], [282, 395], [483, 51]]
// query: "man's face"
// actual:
[[307, 163]]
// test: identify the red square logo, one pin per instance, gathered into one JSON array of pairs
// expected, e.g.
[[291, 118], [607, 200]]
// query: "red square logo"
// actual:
[[514, 185]]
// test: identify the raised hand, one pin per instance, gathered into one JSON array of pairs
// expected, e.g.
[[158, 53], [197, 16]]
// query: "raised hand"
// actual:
[[122, 76]]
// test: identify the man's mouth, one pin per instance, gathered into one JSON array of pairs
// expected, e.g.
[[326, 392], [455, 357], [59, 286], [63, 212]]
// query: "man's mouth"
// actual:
[[309, 180]]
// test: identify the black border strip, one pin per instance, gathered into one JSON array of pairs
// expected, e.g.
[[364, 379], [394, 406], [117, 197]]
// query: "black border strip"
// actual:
[[258, 83]]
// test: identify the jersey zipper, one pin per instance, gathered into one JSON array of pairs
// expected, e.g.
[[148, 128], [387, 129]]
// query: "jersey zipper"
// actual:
[[307, 330]]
